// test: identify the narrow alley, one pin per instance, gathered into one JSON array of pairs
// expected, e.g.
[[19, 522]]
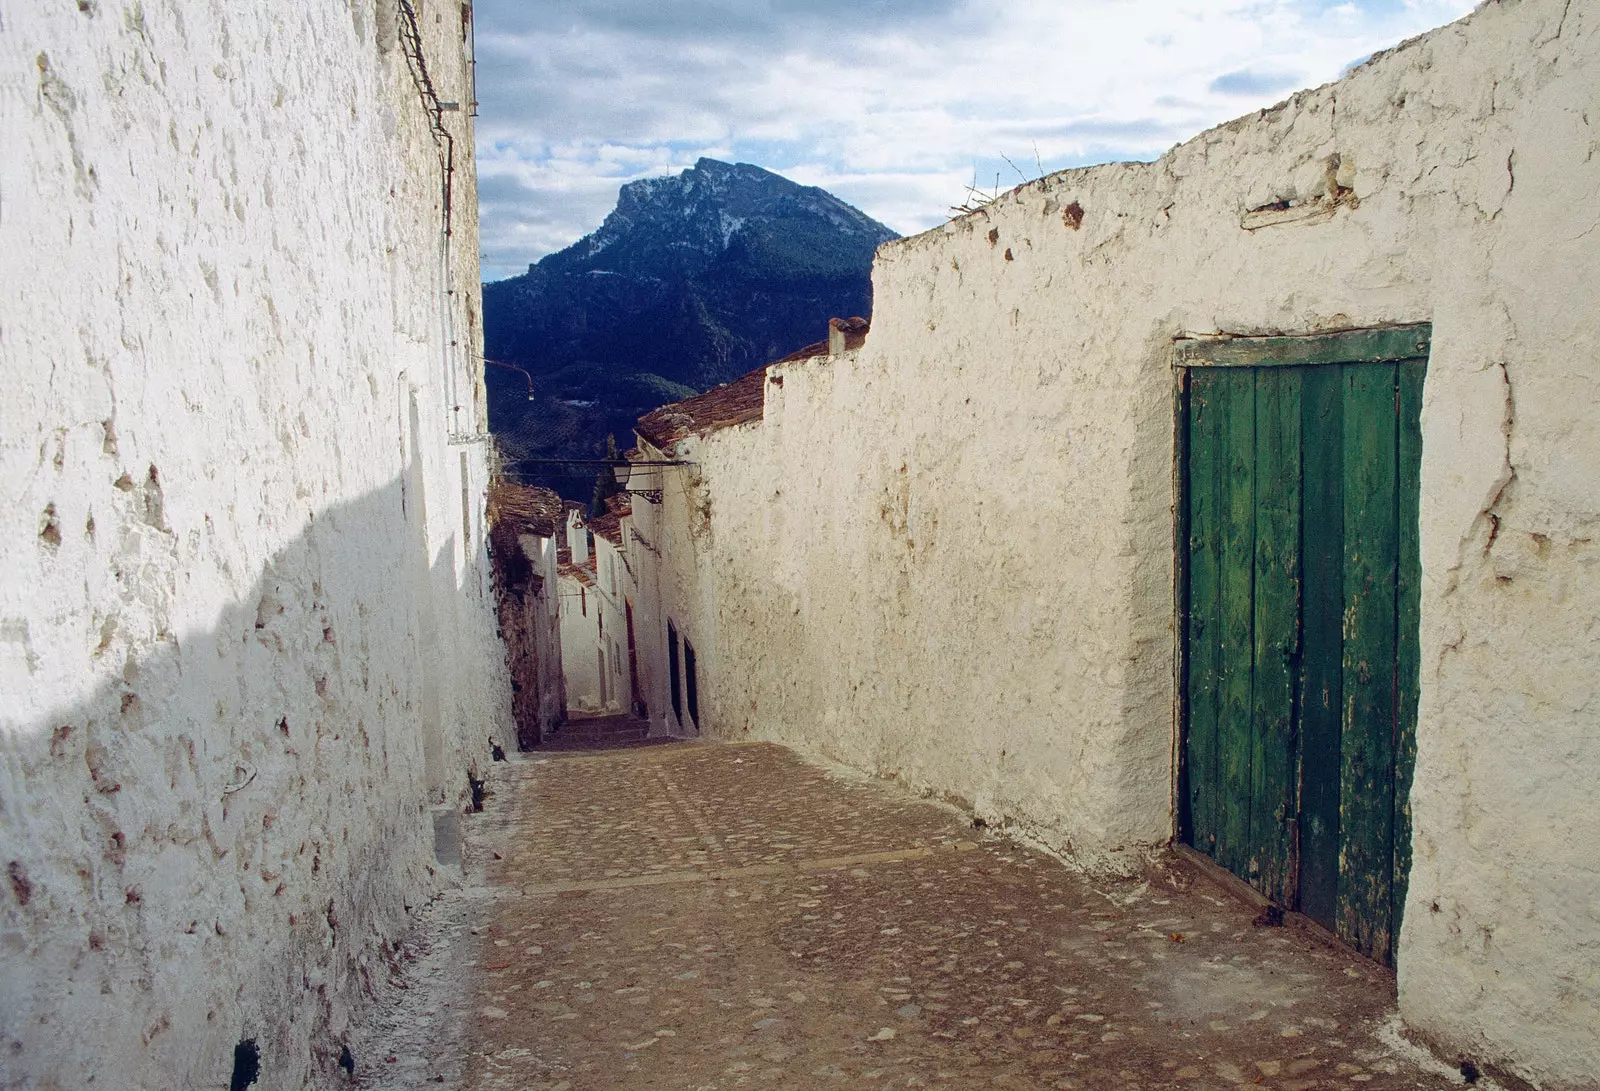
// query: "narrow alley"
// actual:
[[699, 915]]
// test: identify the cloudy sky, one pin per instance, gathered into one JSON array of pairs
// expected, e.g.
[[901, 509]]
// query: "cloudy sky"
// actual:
[[897, 106]]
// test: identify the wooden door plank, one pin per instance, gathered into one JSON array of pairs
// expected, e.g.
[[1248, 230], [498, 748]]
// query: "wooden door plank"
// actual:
[[1344, 346], [1236, 643], [1276, 632], [1366, 802], [1321, 686], [1408, 651], [1180, 591], [1202, 609]]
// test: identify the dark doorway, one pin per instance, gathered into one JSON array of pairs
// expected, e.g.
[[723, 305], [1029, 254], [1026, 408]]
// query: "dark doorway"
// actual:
[[693, 683], [672, 669], [640, 708]]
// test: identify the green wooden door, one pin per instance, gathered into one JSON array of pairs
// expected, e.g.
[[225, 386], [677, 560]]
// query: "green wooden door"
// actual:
[[1300, 618]]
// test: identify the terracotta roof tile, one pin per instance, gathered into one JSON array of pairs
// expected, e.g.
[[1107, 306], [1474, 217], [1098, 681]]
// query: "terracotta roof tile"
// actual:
[[609, 527], [816, 348], [720, 407], [740, 401], [525, 509], [575, 572]]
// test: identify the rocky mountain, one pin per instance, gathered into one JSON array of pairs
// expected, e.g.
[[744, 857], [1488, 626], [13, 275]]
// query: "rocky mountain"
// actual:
[[691, 281]]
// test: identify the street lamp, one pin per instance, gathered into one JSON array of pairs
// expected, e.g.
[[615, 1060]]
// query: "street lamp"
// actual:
[[622, 471]]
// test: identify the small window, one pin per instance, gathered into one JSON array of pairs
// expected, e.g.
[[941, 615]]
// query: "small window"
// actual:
[[600, 622], [693, 683], [583, 600], [672, 670], [589, 536]]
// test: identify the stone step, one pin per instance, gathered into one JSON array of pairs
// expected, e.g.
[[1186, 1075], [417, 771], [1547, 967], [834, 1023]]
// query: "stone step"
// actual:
[[597, 731]]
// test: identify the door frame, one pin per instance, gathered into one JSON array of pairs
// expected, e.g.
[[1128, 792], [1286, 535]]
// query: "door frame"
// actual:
[[1407, 341]]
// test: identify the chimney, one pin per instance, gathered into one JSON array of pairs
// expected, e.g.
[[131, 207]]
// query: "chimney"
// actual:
[[845, 334]]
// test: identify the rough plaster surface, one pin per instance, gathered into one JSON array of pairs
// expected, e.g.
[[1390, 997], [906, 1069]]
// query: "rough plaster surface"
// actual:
[[594, 630], [530, 625], [947, 556], [245, 639], [579, 643]]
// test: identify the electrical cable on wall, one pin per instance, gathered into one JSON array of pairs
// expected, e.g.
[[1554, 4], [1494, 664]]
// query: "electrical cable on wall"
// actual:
[[410, 34]]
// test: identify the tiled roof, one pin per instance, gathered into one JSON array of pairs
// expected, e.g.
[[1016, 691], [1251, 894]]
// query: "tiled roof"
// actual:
[[720, 407], [609, 527], [525, 509], [737, 402], [816, 348], [577, 572]]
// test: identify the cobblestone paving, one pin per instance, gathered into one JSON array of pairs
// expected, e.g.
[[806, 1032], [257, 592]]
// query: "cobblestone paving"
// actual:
[[705, 916]]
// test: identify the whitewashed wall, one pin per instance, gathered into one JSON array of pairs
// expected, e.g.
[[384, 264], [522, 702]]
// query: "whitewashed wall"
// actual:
[[643, 531], [579, 642], [612, 581], [947, 557], [245, 637]]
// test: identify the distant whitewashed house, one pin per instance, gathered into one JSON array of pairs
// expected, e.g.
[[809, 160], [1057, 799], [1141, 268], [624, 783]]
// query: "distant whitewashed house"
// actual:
[[677, 624], [580, 618], [597, 614]]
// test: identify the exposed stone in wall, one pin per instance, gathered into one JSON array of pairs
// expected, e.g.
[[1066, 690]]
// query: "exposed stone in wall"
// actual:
[[538, 699], [947, 556], [524, 532], [246, 644]]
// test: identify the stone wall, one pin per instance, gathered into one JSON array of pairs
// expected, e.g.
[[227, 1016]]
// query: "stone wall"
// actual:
[[246, 634], [947, 556], [531, 628]]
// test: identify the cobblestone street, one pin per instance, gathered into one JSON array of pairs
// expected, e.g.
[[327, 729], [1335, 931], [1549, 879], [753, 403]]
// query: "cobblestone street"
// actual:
[[717, 916]]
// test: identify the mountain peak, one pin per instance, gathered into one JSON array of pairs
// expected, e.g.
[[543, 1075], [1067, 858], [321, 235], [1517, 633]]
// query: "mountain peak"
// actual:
[[692, 280], [675, 224]]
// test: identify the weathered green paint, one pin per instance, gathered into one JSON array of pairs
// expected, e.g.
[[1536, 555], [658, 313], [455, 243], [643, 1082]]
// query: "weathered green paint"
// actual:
[[1180, 595], [1276, 650], [1203, 608], [1235, 711], [1322, 515], [1371, 552], [1300, 672], [1350, 346], [1408, 594]]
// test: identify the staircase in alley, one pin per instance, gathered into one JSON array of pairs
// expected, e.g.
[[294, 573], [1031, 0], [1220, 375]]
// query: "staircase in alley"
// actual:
[[597, 733]]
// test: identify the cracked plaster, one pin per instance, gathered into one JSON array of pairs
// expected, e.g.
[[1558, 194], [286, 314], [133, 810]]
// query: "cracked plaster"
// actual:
[[946, 557]]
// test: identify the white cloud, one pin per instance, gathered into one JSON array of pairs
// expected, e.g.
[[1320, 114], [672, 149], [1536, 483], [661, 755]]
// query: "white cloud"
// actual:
[[891, 104]]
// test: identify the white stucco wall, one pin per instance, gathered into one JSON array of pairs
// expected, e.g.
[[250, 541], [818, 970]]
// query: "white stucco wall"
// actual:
[[579, 640], [643, 530], [245, 637], [612, 582], [947, 557]]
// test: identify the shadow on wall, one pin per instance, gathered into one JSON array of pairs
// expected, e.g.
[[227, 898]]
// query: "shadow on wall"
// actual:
[[217, 843]]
